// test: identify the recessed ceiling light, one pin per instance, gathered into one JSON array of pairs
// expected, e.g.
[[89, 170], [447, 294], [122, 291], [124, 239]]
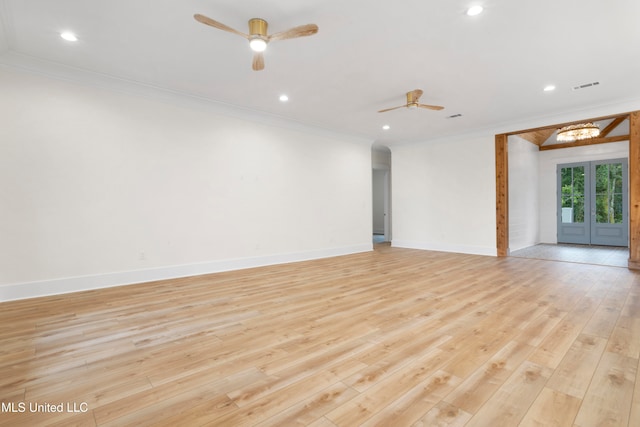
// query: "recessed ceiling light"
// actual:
[[386, 127], [475, 10], [284, 98], [549, 88], [69, 36]]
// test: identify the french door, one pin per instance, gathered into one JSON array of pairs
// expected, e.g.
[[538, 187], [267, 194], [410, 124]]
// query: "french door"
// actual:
[[592, 203]]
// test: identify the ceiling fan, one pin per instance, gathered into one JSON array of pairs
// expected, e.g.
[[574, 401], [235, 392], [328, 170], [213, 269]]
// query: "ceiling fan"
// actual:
[[413, 99], [258, 37]]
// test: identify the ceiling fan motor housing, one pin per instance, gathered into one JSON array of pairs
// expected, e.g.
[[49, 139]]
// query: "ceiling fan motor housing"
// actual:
[[258, 38], [258, 27], [412, 99]]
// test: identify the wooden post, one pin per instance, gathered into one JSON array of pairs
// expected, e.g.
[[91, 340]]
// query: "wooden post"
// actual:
[[502, 195], [634, 190]]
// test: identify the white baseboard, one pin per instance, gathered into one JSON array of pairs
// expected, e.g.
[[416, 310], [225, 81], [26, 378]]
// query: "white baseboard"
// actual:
[[463, 249], [84, 283]]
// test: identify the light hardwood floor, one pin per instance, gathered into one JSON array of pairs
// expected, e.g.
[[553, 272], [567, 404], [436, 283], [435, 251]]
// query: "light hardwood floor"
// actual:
[[394, 337]]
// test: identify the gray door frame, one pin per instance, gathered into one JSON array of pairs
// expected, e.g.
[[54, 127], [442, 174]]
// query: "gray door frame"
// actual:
[[589, 231]]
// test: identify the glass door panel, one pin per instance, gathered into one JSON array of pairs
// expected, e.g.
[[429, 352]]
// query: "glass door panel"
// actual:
[[608, 193], [572, 194], [573, 224], [609, 218]]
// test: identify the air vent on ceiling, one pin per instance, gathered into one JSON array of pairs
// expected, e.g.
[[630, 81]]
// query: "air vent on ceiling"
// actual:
[[454, 116], [586, 85]]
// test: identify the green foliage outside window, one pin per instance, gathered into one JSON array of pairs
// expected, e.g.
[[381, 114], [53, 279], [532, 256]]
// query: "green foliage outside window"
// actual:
[[609, 193], [573, 191]]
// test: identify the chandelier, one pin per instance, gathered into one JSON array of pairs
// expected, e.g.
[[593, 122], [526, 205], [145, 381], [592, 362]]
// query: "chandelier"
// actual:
[[578, 132]]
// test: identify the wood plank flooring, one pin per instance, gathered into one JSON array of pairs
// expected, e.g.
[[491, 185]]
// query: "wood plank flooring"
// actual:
[[394, 337]]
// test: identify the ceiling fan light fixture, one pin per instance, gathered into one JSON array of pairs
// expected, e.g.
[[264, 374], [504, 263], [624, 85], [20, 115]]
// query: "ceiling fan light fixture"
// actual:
[[258, 36], [69, 36], [258, 44], [475, 10], [578, 132]]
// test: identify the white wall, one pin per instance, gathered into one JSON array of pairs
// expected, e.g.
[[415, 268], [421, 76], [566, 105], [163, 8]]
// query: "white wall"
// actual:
[[523, 193], [548, 161], [101, 188], [444, 195]]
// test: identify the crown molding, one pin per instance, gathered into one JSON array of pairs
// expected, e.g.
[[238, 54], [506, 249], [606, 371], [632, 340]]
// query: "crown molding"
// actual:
[[28, 64]]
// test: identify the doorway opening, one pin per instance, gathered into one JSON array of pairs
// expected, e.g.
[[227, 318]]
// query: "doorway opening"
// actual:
[[624, 127], [381, 194]]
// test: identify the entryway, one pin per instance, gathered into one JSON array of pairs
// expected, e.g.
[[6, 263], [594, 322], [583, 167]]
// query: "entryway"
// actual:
[[583, 254], [592, 203], [381, 194]]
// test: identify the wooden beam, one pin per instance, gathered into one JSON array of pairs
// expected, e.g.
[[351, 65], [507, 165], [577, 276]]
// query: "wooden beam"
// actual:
[[561, 125], [614, 124], [502, 195], [537, 137], [584, 142], [634, 190]]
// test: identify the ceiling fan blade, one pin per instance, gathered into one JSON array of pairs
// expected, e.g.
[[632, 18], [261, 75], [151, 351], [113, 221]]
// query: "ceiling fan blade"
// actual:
[[431, 107], [394, 108], [215, 24], [258, 61], [416, 94], [301, 31]]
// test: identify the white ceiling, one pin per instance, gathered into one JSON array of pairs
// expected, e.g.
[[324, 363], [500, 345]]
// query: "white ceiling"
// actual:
[[490, 68]]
